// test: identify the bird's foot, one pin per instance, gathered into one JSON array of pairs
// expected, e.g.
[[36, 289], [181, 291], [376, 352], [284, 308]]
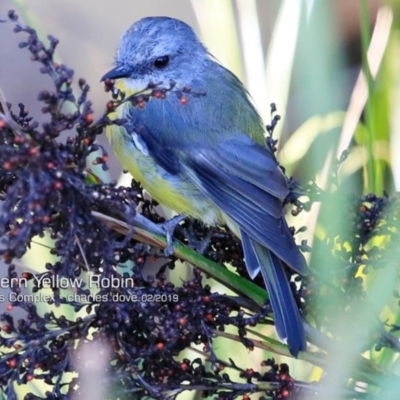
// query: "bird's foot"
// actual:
[[169, 228], [199, 245]]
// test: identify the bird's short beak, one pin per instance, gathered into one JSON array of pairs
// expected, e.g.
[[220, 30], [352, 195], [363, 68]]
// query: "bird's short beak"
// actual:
[[115, 73]]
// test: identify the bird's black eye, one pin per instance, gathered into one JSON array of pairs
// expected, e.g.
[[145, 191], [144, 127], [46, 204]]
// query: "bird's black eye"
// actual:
[[161, 62]]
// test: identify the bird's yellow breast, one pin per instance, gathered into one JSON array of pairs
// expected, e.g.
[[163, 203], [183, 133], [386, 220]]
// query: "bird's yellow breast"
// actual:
[[173, 191]]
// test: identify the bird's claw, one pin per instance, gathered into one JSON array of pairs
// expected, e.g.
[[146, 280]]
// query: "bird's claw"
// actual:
[[169, 228], [199, 245]]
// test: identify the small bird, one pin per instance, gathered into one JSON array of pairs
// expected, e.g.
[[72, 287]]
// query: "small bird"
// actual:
[[205, 156]]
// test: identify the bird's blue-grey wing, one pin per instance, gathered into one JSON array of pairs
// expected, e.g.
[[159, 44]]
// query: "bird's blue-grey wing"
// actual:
[[250, 197]]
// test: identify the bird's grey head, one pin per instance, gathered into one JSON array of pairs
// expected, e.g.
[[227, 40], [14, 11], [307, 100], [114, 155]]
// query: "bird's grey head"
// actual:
[[158, 49]]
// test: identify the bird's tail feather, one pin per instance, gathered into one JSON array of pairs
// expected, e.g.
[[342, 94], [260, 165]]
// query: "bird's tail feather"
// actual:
[[288, 321]]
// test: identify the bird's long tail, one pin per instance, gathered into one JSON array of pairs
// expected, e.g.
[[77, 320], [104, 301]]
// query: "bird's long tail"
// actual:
[[288, 321]]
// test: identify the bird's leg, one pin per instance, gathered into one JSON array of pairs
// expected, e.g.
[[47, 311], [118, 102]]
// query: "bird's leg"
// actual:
[[169, 228], [142, 222], [203, 244], [199, 245]]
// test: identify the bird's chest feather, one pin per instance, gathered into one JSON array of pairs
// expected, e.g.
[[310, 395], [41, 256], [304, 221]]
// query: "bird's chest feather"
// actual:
[[174, 191]]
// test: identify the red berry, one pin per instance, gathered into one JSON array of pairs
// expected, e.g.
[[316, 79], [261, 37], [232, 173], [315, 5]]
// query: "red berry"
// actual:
[[160, 346]]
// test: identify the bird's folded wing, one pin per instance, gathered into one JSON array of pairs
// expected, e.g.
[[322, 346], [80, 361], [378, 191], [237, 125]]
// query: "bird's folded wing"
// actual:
[[241, 157], [239, 176], [257, 212]]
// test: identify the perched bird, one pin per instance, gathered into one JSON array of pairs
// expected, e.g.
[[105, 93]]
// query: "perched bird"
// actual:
[[205, 155]]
